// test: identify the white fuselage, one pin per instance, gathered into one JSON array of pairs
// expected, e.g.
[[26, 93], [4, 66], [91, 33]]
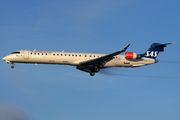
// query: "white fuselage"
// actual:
[[70, 58]]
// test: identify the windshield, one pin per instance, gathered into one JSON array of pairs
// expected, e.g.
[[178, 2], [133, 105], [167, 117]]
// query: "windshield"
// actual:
[[15, 53]]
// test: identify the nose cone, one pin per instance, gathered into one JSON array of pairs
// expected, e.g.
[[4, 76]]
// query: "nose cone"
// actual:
[[8, 57], [4, 58]]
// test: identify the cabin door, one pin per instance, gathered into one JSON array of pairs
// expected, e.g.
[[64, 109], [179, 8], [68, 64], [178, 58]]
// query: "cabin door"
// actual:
[[26, 54]]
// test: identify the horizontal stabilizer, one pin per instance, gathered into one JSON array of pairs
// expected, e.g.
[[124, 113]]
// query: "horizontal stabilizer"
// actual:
[[163, 45]]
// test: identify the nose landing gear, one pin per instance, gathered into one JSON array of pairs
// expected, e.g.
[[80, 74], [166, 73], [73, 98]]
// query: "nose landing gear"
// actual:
[[12, 66]]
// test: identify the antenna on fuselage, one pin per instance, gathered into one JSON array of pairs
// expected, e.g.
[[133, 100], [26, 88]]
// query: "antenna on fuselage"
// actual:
[[34, 49], [63, 51]]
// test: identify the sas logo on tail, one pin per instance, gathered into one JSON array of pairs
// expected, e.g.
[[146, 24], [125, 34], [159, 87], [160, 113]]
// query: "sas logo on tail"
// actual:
[[151, 53]]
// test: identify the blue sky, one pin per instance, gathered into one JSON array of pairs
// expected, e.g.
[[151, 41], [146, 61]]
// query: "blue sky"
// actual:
[[59, 92]]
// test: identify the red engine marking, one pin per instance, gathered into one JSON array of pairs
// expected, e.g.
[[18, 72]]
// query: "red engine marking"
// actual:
[[129, 55]]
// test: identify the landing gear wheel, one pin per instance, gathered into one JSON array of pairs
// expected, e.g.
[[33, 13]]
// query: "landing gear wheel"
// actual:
[[96, 69], [12, 66], [92, 73]]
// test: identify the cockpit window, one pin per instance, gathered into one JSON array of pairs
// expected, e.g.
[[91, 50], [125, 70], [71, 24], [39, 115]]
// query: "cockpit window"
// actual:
[[15, 53]]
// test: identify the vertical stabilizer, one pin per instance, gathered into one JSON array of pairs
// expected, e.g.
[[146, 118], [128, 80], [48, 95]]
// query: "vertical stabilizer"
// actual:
[[154, 50]]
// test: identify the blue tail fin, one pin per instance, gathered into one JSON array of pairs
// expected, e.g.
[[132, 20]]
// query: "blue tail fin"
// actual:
[[154, 50]]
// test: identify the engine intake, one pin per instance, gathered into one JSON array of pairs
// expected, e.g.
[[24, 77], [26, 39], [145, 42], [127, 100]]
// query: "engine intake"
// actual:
[[131, 55]]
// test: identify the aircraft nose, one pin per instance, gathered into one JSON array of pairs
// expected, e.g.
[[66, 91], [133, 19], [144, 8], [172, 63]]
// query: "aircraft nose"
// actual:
[[4, 58]]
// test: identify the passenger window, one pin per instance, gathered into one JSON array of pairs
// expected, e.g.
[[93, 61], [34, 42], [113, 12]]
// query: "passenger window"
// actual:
[[38, 53], [94, 56], [34, 53], [69, 55], [76, 55], [65, 54], [79, 55], [57, 54], [46, 53], [85, 55], [42, 53], [54, 54], [31, 53], [72, 54], [61, 54]]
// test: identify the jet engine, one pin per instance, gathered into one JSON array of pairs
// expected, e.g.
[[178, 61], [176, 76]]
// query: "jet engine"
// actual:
[[131, 55]]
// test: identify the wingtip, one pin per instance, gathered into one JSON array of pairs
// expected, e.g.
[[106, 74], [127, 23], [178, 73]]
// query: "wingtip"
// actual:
[[127, 46]]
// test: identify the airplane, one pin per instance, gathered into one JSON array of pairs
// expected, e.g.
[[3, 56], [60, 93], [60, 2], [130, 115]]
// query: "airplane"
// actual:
[[88, 62]]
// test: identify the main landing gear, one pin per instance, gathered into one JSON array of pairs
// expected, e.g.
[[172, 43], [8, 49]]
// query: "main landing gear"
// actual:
[[12, 66], [96, 69], [92, 73], [92, 70]]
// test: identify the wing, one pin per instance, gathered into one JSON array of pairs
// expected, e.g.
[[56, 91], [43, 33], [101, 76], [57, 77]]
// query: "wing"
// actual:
[[95, 64]]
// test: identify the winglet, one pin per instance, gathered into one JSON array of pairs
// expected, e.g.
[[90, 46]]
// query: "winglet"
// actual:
[[124, 49]]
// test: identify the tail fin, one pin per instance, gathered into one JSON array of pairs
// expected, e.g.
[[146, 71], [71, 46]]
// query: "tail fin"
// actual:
[[154, 50]]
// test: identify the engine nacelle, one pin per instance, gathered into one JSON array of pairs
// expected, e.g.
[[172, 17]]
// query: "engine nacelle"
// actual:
[[131, 55]]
